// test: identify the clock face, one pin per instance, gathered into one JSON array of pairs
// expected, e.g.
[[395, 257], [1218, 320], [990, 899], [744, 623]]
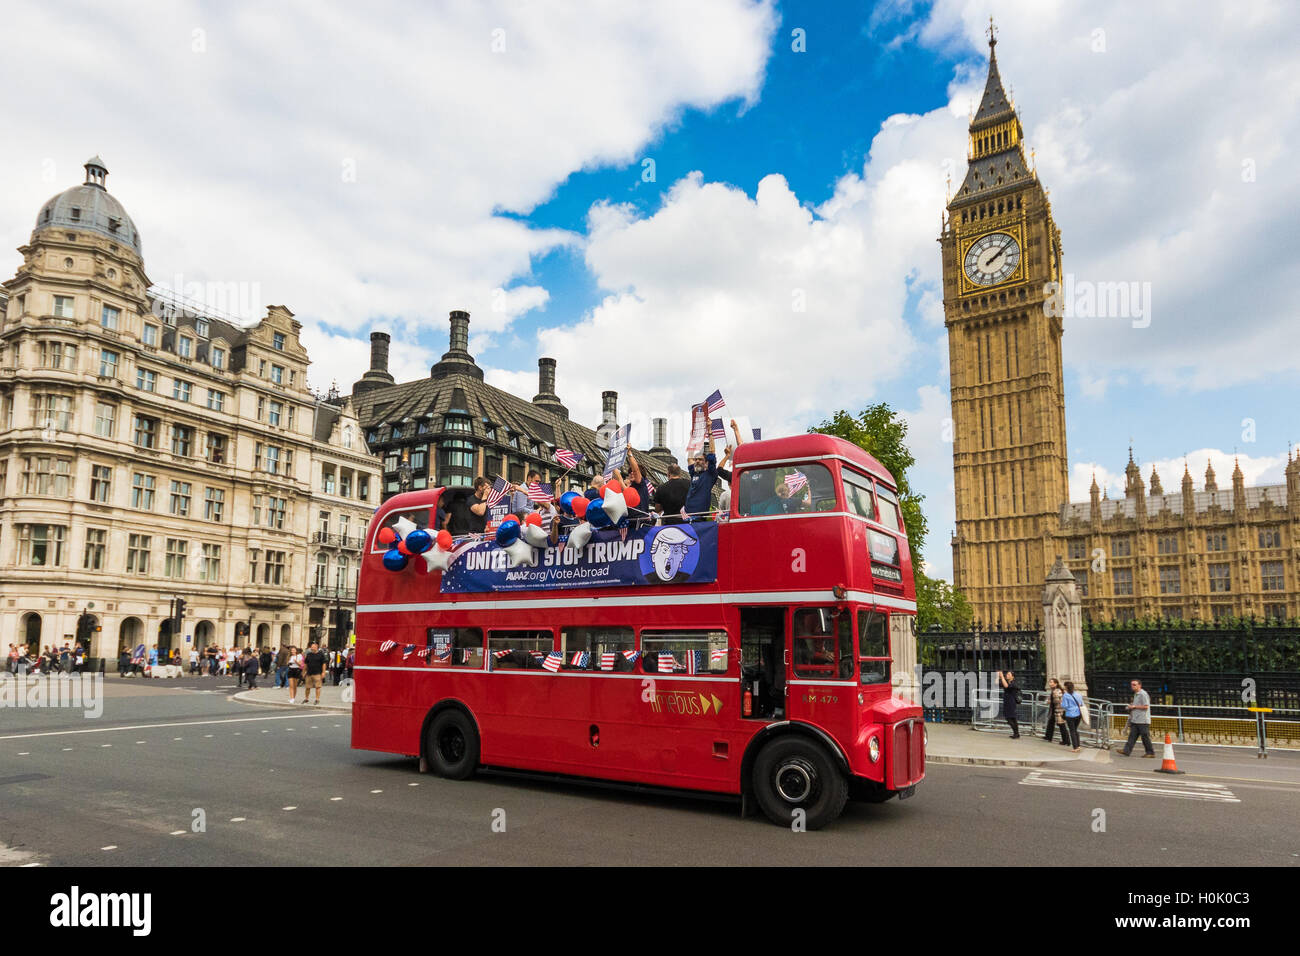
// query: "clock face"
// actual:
[[992, 259]]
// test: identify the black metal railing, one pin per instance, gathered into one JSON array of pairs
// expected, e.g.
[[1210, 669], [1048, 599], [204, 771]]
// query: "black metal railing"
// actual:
[[346, 595]]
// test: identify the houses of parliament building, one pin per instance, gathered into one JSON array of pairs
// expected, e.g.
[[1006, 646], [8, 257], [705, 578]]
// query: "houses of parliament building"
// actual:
[[1199, 553]]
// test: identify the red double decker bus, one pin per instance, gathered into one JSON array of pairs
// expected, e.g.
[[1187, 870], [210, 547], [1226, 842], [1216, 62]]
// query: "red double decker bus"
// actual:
[[746, 656]]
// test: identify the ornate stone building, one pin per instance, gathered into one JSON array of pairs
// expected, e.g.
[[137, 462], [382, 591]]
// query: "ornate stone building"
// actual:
[[1205, 554], [1198, 554], [150, 452], [452, 426]]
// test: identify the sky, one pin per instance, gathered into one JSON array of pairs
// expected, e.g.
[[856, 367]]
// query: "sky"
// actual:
[[673, 197]]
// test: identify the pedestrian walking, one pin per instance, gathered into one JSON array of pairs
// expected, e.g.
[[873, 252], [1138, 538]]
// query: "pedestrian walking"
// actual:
[[294, 673], [264, 662], [1139, 720], [1010, 700], [1072, 704], [314, 666], [281, 667], [1055, 713], [252, 665]]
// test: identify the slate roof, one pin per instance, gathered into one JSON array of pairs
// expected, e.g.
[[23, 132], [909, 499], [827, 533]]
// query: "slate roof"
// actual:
[[1201, 501]]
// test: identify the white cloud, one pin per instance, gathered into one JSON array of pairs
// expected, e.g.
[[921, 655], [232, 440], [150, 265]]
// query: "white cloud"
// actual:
[[351, 161]]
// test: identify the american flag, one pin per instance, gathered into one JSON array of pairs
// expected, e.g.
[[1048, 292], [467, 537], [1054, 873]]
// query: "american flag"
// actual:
[[569, 459], [553, 661], [607, 660], [667, 663], [466, 655], [424, 652], [796, 481], [500, 488], [387, 646], [716, 429], [407, 651], [692, 662], [715, 402], [540, 491], [631, 656], [500, 654], [718, 656], [758, 434], [580, 659]]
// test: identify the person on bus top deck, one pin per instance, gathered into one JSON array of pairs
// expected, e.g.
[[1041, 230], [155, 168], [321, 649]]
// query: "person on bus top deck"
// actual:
[[670, 497], [640, 516], [723, 471], [519, 500], [478, 506], [704, 475]]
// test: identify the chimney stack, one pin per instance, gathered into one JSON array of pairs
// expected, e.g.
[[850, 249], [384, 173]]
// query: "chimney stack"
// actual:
[[378, 376], [609, 407], [457, 360], [546, 397], [661, 437]]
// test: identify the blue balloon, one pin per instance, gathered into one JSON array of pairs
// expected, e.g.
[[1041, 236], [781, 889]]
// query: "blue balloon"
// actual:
[[419, 541], [591, 493], [394, 560], [508, 533], [596, 516], [566, 502]]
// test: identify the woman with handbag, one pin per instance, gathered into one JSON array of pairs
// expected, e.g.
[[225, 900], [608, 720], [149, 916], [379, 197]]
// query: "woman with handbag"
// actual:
[[1072, 704], [1055, 715]]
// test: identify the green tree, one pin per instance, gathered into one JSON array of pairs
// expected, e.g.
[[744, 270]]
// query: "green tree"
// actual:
[[882, 433]]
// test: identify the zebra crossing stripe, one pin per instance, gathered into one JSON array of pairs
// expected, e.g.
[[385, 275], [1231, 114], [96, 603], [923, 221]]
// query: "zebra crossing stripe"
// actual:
[[1116, 783]]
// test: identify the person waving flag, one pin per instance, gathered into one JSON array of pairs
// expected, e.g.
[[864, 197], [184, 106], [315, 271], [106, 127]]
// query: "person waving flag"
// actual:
[[569, 459]]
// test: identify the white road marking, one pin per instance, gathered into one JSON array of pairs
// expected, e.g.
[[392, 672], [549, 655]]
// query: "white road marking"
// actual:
[[66, 749], [376, 791], [336, 798], [412, 784], [288, 808], [183, 723], [177, 833], [106, 745], [238, 819], [1113, 783], [24, 753], [111, 846]]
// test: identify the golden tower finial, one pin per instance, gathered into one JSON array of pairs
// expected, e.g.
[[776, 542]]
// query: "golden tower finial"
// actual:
[[992, 33]]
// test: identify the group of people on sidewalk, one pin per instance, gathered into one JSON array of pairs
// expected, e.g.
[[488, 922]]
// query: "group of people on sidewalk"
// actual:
[[1066, 710], [51, 660]]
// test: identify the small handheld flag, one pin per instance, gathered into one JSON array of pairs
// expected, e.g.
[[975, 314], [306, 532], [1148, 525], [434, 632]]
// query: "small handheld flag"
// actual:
[[500, 488], [540, 491], [715, 402], [553, 661], [569, 459]]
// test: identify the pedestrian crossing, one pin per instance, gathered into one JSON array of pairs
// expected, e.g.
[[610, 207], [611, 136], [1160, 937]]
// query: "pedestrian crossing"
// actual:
[[1126, 783]]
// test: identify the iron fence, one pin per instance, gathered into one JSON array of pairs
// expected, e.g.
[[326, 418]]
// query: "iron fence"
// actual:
[[1261, 729], [964, 662], [1032, 714]]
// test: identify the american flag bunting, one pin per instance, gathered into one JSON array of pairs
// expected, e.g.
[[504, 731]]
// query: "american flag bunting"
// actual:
[[387, 646], [407, 651], [553, 661], [607, 660], [580, 659]]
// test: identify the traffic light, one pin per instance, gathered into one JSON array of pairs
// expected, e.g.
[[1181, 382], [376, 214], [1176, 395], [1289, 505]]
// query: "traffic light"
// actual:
[[178, 616], [342, 627], [241, 629]]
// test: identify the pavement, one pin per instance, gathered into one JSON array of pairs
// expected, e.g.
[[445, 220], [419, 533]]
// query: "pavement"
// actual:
[[960, 744], [331, 698]]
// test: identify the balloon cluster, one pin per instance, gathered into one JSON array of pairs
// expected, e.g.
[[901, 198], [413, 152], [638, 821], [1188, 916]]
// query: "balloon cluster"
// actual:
[[405, 540], [597, 511], [520, 541]]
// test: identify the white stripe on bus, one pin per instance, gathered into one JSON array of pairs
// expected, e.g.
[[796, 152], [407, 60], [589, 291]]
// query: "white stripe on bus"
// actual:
[[542, 673], [756, 597]]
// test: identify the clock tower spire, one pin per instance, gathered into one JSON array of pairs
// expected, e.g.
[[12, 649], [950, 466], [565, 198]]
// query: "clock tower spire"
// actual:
[[1001, 251]]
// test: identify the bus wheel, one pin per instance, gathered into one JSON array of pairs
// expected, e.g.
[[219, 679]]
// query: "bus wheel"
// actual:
[[452, 745], [792, 774]]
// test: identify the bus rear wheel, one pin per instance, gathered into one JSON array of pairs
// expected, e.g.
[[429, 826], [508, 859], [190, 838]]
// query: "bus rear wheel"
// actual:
[[452, 745], [793, 774]]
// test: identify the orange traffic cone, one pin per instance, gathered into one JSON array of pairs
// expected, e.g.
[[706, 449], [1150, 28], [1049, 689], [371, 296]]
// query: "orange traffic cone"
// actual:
[[1167, 765]]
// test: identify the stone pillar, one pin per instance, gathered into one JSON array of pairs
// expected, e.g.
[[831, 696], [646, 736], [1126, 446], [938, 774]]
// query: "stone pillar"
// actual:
[[1063, 628], [902, 645]]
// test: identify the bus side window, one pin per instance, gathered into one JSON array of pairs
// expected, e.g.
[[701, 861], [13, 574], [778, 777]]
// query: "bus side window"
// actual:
[[604, 647], [684, 652], [873, 647], [419, 515], [857, 494], [519, 650], [823, 643], [454, 647]]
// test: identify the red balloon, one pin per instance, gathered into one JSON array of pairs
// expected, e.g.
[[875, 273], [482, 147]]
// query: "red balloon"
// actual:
[[631, 496], [445, 540], [421, 566], [401, 546], [533, 518], [387, 536], [580, 506], [615, 486]]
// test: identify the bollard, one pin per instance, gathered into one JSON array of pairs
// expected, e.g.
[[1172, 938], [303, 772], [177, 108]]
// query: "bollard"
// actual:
[[1260, 730]]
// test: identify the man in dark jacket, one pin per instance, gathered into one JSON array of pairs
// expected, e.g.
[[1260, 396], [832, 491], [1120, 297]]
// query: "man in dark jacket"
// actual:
[[704, 475], [264, 662], [250, 669], [281, 667]]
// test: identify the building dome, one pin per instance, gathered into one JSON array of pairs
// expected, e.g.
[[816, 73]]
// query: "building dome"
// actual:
[[90, 207]]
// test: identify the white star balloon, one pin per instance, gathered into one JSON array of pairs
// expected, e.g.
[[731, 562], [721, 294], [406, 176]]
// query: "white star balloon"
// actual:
[[436, 559], [404, 526], [579, 537], [536, 536], [615, 505], [521, 552]]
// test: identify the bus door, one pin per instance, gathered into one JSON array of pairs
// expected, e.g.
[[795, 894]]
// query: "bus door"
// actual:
[[763, 662]]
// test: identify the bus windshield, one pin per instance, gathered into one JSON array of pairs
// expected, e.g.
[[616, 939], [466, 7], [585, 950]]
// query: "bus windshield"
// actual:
[[785, 489]]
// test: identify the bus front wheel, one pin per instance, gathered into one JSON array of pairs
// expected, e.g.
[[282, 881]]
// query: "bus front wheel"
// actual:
[[793, 775], [452, 745]]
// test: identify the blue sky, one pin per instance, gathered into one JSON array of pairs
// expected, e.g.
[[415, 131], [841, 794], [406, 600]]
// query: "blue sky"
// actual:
[[376, 179]]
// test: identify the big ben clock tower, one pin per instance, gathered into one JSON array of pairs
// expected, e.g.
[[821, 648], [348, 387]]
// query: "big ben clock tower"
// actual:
[[1001, 249]]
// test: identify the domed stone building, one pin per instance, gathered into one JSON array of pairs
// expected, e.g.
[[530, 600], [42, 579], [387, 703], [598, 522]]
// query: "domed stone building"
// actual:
[[153, 449]]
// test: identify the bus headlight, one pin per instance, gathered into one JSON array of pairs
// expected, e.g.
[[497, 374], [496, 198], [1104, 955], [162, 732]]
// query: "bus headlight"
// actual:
[[873, 748]]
